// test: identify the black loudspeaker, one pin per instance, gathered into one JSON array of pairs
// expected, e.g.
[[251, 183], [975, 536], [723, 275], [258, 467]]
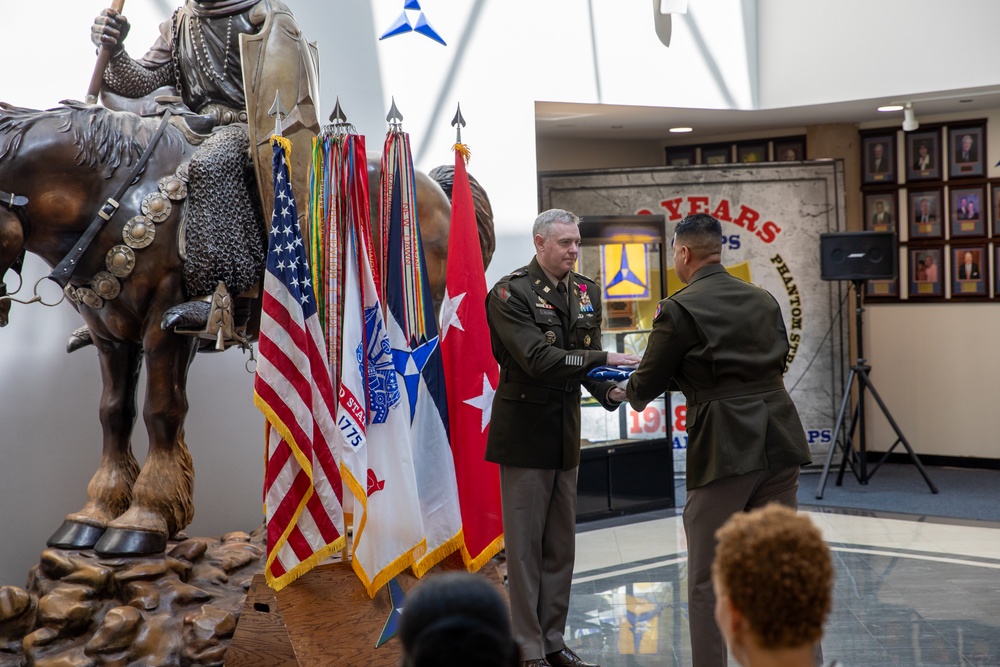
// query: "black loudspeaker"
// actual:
[[858, 256]]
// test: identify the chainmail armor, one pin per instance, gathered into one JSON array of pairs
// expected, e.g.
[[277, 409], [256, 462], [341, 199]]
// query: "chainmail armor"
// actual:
[[128, 78], [224, 236]]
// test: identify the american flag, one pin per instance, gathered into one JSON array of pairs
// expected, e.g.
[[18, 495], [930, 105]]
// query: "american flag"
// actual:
[[303, 493]]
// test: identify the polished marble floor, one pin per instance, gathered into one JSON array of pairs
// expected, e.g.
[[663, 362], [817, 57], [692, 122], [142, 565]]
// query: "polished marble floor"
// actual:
[[910, 591]]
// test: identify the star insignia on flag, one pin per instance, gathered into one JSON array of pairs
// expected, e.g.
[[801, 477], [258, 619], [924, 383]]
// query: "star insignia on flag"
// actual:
[[484, 401], [396, 599], [410, 364], [449, 313], [419, 23]]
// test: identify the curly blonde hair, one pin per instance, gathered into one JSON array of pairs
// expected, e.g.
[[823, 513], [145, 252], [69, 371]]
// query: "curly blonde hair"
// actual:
[[776, 570]]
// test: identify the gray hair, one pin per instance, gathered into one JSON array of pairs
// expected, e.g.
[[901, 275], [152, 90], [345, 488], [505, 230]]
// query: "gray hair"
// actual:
[[545, 220]]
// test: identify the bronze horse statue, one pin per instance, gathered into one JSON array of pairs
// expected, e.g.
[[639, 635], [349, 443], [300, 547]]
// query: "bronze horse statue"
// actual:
[[57, 169]]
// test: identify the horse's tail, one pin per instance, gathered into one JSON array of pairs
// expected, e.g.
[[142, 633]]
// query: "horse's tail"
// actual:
[[445, 177]]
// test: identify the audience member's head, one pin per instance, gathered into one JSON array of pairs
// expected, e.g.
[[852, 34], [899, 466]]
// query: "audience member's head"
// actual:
[[773, 583], [456, 619]]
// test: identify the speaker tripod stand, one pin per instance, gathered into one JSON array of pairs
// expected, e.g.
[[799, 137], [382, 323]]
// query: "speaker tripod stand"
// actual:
[[858, 459]]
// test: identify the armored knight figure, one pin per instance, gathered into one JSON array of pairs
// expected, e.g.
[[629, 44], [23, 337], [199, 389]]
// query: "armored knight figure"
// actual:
[[197, 58]]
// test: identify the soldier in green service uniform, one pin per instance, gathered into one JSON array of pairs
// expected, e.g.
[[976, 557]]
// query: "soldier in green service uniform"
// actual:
[[545, 326], [724, 342]]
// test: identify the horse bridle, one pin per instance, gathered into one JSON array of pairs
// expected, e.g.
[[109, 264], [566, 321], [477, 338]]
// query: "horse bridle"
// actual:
[[16, 204]]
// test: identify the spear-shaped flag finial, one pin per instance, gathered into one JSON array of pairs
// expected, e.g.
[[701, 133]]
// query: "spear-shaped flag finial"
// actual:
[[394, 117], [458, 122], [338, 117], [277, 112]]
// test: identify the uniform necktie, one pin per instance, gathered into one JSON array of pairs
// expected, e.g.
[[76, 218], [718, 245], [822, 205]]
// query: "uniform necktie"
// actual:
[[561, 288]]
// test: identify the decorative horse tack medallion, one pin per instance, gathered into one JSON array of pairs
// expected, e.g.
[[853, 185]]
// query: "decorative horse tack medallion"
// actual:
[[156, 206], [138, 232], [105, 285], [550, 337], [182, 172], [173, 187], [120, 261], [70, 293], [89, 298]]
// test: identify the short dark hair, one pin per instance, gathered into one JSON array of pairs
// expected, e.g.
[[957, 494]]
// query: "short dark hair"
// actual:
[[700, 232], [456, 619]]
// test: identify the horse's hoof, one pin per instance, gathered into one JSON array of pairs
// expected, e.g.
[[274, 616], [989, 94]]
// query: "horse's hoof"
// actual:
[[190, 315], [75, 535], [79, 339], [129, 542]]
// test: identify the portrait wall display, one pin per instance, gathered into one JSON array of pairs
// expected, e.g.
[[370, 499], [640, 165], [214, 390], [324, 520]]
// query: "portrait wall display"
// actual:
[[925, 271], [995, 209], [751, 151], [681, 156], [881, 211], [969, 270], [878, 157], [925, 216], [966, 150], [791, 149], [966, 212], [923, 155], [716, 154]]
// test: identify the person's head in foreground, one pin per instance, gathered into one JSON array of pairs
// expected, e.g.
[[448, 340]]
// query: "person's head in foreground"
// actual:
[[773, 582], [456, 619]]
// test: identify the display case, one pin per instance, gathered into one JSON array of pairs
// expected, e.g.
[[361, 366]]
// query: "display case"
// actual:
[[627, 457]]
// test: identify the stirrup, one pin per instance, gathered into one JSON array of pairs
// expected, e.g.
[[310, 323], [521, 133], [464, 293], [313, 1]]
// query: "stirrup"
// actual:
[[210, 318]]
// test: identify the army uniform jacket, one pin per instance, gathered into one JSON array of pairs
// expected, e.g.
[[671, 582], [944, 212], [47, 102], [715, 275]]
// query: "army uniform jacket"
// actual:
[[545, 349], [724, 342]]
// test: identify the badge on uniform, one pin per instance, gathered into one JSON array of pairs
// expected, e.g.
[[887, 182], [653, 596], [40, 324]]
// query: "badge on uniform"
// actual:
[[586, 341], [585, 305], [550, 337], [542, 303]]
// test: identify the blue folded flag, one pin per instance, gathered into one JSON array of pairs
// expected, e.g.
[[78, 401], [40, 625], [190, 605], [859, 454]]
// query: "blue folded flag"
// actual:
[[612, 373]]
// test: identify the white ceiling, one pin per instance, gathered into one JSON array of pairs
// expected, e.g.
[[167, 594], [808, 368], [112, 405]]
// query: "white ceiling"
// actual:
[[556, 120]]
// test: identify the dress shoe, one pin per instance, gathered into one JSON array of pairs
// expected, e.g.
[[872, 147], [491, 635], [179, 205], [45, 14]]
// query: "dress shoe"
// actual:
[[566, 658], [537, 662]]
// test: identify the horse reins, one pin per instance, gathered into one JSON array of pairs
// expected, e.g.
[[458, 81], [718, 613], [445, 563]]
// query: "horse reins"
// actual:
[[65, 268], [16, 204]]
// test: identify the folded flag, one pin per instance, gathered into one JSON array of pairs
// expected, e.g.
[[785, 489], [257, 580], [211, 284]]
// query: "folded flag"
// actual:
[[611, 373]]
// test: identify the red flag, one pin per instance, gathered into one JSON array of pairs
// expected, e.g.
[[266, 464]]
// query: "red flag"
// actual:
[[471, 376]]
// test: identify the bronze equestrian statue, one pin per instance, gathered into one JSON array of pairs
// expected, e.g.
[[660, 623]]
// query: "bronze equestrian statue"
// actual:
[[188, 219]]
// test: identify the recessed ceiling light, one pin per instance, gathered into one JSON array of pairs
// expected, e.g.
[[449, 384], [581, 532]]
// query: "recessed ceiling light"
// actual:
[[680, 129], [891, 107]]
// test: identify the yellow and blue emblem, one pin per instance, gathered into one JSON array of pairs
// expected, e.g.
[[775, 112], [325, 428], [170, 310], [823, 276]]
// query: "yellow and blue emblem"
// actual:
[[625, 271]]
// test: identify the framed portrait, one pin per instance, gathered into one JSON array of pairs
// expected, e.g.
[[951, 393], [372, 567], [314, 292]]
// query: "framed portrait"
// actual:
[[789, 149], [925, 272], [995, 208], [751, 152], [967, 150], [716, 154], [882, 289], [881, 211], [681, 156], [968, 270], [878, 157], [925, 214], [967, 213], [923, 155], [996, 270]]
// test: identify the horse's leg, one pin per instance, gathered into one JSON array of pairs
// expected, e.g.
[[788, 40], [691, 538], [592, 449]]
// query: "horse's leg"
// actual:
[[163, 494], [110, 490]]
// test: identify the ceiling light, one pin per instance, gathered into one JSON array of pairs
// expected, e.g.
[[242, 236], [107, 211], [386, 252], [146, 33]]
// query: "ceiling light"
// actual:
[[910, 122], [680, 129], [891, 107]]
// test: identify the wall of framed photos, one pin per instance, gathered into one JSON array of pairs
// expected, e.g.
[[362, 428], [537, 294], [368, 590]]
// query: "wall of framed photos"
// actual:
[[782, 149], [932, 190]]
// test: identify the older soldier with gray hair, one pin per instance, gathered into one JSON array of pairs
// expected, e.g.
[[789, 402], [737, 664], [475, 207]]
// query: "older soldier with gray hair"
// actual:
[[545, 326]]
